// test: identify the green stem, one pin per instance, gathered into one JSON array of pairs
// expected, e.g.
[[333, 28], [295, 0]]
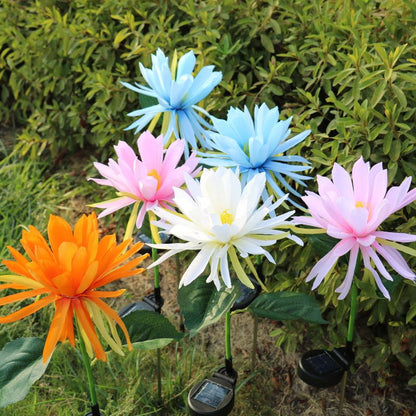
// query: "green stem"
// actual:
[[351, 327], [156, 268], [354, 299], [155, 239], [156, 284], [228, 335], [87, 364], [353, 312]]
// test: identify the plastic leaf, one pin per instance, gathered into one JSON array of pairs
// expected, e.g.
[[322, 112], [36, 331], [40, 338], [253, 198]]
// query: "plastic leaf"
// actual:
[[149, 330], [284, 306], [20, 366], [202, 305]]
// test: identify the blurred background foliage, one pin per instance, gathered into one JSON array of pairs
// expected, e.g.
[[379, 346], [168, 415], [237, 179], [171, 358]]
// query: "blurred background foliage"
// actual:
[[345, 69]]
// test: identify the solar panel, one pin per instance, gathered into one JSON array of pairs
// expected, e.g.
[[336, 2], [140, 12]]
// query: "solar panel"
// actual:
[[211, 394]]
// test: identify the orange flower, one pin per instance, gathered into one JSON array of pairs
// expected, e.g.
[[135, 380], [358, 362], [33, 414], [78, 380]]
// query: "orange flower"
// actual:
[[69, 271]]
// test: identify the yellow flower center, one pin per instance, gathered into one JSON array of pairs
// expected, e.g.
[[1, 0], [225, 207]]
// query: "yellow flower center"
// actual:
[[365, 205], [226, 217], [154, 173], [360, 204]]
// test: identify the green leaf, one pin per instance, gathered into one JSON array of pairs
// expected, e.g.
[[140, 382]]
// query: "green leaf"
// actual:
[[378, 93], [411, 313], [412, 381], [369, 79], [146, 101], [20, 366], [267, 43], [323, 243], [123, 34], [284, 306], [395, 150], [149, 330], [391, 285], [202, 304], [400, 95], [388, 139]]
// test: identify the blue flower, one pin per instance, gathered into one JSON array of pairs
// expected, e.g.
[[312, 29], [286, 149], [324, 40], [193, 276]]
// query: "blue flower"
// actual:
[[176, 97], [258, 146]]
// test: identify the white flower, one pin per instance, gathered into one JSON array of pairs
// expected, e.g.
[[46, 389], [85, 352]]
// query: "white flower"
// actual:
[[218, 217]]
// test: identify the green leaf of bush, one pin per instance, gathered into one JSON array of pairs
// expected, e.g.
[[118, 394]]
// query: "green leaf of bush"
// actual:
[[20, 366], [412, 381], [284, 306], [202, 305], [149, 330]]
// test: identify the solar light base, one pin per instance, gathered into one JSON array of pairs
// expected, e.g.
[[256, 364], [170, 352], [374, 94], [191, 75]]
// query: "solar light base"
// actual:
[[213, 396], [152, 302], [322, 368], [144, 238], [95, 411], [247, 294]]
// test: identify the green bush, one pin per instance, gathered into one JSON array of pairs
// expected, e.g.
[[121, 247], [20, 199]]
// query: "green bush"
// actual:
[[346, 69], [61, 61]]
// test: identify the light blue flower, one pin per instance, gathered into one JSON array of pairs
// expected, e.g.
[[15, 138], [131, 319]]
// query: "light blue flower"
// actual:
[[258, 145], [178, 97]]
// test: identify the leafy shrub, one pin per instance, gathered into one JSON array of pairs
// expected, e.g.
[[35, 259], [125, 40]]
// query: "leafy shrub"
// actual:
[[61, 61], [344, 69]]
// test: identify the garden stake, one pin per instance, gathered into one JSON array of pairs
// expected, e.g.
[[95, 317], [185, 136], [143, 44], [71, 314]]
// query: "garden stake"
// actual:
[[95, 410], [228, 336], [322, 368], [350, 336], [158, 298], [214, 396]]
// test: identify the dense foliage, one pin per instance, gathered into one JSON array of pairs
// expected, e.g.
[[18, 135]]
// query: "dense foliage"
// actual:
[[345, 69]]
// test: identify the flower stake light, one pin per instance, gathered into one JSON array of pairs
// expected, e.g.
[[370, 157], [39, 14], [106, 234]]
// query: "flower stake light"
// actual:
[[352, 212], [149, 182], [254, 144], [218, 218], [68, 273], [178, 92], [258, 144]]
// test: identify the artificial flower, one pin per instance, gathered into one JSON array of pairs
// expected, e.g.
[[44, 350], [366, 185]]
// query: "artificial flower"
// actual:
[[177, 93], [69, 271], [148, 181], [352, 212], [217, 216], [258, 145]]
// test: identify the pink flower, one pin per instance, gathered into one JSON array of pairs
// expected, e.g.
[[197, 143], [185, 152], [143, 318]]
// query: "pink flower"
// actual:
[[150, 180], [352, 211]]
